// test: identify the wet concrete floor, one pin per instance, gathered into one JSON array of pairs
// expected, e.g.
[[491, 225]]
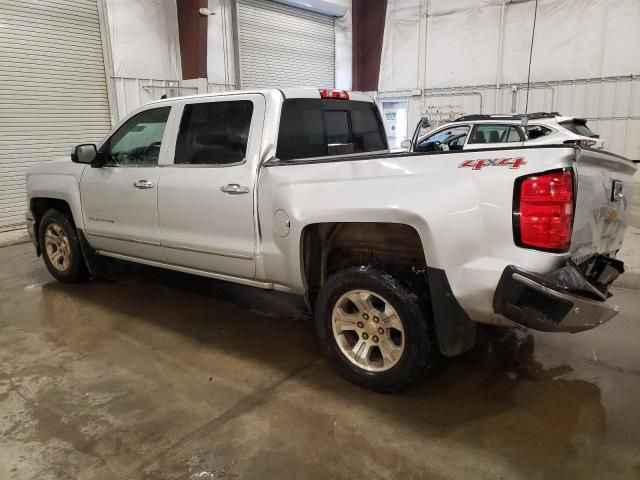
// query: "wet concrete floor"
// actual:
[[159, 375]]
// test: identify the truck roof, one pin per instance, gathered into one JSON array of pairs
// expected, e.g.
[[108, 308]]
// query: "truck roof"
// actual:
[[289, 92]]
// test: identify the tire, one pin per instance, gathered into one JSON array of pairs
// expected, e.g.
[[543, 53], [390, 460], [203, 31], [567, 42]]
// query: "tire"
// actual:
[[412, 352], [68, 266]]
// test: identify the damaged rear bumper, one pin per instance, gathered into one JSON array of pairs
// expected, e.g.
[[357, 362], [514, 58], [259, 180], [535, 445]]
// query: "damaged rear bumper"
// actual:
[[561, 301]]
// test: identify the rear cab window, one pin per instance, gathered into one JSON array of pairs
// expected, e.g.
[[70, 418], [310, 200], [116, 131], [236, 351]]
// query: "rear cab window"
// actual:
[[311, 127]]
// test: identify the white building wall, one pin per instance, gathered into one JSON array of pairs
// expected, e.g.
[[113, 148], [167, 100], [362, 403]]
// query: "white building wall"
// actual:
[[583, 61]]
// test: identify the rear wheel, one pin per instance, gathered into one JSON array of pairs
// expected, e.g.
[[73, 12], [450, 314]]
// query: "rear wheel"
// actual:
[[60, 247], [373, 328]]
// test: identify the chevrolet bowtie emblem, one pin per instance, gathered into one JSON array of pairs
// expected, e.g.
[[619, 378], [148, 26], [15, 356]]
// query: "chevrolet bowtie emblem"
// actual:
[[613, 215]]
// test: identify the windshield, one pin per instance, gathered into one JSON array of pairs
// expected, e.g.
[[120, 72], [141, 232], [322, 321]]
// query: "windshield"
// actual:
[[579, 127]]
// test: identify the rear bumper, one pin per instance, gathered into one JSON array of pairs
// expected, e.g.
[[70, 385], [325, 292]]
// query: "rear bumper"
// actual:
[[551, 302]]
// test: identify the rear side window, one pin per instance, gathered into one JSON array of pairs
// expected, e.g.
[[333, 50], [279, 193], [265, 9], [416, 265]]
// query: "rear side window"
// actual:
[[214, 133], [579, 127], [494, 133], [321, 127], [537, 131]]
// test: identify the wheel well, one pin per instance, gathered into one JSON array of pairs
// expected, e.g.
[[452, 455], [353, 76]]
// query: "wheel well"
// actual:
[[40, 205], [332, 246]]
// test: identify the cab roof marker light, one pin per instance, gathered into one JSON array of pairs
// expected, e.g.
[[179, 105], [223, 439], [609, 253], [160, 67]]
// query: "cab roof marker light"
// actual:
[[334, 94]]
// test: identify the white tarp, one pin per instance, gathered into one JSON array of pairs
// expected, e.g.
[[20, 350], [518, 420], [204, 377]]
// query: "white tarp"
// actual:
[[220, 51], [573, 39], [343, 59], [144, 39], [400, 64]]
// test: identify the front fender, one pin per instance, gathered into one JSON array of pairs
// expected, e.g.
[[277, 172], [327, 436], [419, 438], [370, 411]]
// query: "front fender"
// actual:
[[60, 181]]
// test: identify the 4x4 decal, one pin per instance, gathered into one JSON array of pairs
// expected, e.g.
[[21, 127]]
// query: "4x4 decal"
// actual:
[[493, 162]]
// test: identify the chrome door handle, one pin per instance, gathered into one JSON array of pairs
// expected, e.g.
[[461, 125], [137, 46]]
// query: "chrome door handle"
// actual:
[[234, 189], [142, 184]]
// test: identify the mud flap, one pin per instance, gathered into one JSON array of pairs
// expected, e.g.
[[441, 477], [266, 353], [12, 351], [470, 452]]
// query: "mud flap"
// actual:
[[95, 265], [456, 332]]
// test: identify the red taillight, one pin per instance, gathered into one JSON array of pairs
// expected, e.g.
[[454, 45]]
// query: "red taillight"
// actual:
[[544, 211], [335, 94], [580, 143]]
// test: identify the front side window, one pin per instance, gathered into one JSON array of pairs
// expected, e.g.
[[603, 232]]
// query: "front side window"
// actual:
[[214, 133], [138, 140], [450, 138], [320, 127], [495, 133]]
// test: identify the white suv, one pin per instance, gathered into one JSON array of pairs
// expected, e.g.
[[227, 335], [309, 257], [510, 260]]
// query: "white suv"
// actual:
[[494, 131]]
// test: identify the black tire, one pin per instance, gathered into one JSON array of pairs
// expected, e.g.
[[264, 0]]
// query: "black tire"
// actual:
[[401, 292], [76, 271]]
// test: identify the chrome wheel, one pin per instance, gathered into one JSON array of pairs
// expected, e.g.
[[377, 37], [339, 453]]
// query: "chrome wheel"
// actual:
[[56, 244], [368, 330]]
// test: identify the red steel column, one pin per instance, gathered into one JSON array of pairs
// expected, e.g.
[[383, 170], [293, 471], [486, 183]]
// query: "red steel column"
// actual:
[[367, 31], [192, 29]]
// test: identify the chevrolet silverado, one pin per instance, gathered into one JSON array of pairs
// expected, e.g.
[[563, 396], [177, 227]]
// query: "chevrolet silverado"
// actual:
[[400, 255]]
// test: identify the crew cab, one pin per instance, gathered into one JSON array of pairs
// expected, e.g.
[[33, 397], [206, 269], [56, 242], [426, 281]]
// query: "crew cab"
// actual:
[[495, 131], [401, 256]]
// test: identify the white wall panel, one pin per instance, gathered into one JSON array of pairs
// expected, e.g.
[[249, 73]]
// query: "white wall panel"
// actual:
[[132, 93], [400, 62], [574, 39], [584, 60], [344, 50], [220, 49]]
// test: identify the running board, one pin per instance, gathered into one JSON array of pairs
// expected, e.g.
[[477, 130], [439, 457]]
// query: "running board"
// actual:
[[195, 271]]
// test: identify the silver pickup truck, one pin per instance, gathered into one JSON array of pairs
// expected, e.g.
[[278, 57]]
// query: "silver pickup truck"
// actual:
[[401, 256]]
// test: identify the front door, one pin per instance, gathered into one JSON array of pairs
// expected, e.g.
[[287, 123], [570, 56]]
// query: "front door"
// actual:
[[119, 200], [206, 197]]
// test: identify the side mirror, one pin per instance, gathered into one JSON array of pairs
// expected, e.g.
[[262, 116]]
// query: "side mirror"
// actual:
[[424, 122], [85, 153], [406, 144]]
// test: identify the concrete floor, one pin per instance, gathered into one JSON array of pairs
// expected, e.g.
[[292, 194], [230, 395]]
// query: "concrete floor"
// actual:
[[160, 375]]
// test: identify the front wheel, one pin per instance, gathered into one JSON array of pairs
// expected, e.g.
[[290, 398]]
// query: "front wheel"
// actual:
[[60, 247], [374, 328]]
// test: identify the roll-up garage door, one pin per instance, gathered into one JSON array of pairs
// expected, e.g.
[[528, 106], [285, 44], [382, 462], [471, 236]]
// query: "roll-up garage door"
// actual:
[[52, 89], [283, 46]]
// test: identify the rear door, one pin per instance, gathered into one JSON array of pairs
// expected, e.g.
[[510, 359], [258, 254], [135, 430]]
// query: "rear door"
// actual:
[[206, 195], [494, 135]]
